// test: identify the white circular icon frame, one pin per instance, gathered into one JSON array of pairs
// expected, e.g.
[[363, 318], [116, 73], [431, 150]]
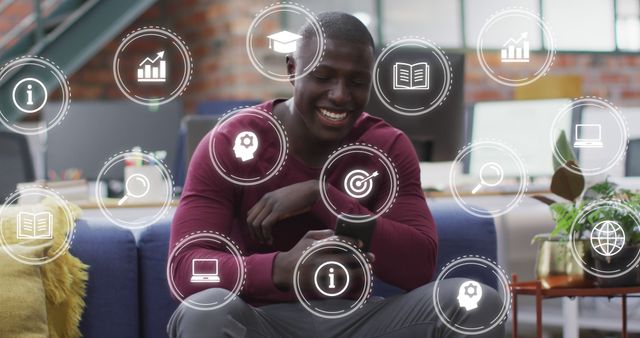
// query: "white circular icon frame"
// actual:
[[254, 112], [44, 90], [157, 164], [593, 207], [478, 261], [359, 148], [333, 244], [522, 184], [65, 93], [288, 8], [180, 45], [620, 120], [232, 248], [68, 215], [442, 59], [546, 36]]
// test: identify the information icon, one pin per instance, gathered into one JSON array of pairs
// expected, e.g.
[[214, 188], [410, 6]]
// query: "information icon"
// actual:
[[331, 279], [332, 270], [27, 83], [29, 95]]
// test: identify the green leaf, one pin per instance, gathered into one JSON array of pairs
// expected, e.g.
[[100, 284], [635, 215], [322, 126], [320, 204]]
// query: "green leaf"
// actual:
[[566, 183], [563, 151]]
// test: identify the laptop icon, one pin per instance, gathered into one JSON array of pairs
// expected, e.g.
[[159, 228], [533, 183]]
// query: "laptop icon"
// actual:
[[204, 270], [588, 136]]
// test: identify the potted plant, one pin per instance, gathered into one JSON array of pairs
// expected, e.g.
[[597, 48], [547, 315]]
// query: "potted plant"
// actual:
[[555, 265]]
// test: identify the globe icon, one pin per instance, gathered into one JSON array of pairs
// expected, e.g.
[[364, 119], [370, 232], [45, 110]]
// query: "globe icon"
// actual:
[[607, 238]]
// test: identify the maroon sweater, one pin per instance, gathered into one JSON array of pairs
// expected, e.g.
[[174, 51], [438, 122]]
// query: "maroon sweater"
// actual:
[[404, 242]]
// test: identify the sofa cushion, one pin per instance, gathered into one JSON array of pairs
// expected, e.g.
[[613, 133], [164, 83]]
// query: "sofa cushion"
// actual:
[[459, 233], [157, 304], [462, 234], [112, 291]]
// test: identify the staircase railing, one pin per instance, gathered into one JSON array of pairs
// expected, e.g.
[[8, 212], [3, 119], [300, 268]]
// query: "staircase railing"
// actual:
[[31, 21]]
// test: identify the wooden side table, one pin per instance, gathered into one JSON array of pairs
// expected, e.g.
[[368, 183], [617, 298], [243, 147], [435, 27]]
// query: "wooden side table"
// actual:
[[534, 288]]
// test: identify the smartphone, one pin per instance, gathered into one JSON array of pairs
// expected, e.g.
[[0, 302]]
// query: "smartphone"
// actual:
[[358, 230]]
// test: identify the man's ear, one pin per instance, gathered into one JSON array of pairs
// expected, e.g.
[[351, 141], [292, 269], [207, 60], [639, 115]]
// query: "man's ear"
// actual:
[[291, 68]]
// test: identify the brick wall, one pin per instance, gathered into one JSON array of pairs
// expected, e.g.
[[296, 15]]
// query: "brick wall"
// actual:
[[14, 13], [614, 77], [215, 32]]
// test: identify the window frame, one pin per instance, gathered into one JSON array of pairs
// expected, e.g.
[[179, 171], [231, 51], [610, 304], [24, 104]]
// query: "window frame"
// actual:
[[466, 48]]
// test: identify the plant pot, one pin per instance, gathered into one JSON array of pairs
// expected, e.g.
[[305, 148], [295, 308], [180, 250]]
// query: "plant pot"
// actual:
[[618, 262], [556, 267]]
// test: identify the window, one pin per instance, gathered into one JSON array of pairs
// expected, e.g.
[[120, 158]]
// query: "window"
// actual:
[[585, 25], [576, 25], [365, 10], [628, 25], [477, 12], [438, 21]]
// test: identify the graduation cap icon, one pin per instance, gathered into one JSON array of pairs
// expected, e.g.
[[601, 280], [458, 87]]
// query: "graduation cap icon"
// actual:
[[283, 42]]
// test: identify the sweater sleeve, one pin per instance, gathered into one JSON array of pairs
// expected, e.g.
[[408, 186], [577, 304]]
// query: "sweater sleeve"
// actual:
[[209, 204], [405, 241]]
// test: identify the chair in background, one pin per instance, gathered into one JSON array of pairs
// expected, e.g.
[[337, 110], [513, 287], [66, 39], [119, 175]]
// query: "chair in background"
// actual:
[[15, 161], [633, 159], [191, 131]]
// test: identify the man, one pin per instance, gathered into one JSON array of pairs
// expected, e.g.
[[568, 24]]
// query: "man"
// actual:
[[276, 221]]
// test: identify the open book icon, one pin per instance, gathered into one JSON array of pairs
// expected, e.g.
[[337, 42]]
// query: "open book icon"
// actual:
[[411, 76], [34, 225]]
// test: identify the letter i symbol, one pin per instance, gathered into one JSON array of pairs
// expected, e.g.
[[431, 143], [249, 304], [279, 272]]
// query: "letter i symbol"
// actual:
[[29, 95], [331, 279]]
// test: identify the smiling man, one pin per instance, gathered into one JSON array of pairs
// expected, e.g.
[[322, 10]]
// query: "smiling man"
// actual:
[[274, 222]]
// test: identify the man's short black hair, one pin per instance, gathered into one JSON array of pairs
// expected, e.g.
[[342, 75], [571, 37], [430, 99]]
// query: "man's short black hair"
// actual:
[[340, 26]]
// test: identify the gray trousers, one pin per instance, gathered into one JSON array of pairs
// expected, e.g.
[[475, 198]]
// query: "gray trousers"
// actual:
[[407, 315]]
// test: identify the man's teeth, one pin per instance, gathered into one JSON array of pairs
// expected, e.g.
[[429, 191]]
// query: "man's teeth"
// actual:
[[335, 116]]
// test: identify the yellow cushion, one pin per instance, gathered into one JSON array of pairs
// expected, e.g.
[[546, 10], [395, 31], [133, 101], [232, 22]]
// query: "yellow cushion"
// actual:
[[23, 311], [64, 279]]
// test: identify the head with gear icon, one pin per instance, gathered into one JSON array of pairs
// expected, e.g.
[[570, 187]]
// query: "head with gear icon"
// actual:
[[246, 145], [469, 295]]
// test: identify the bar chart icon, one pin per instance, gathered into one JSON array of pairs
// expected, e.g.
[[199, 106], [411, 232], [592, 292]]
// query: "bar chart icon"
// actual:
[[153, 70], [516, 50]]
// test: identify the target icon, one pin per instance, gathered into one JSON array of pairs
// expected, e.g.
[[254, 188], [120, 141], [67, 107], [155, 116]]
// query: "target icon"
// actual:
[[357, 183]]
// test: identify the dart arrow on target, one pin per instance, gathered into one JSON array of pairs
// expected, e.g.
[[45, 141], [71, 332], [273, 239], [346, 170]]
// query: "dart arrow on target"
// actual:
[[358, 183], [364, 180]]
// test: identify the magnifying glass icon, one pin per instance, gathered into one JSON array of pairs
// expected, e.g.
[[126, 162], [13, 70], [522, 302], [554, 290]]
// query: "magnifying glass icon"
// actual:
[[493, 171], [137, 186]]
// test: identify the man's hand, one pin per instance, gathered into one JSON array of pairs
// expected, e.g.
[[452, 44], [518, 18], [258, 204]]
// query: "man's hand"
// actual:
[[280, 204], [285, 262]]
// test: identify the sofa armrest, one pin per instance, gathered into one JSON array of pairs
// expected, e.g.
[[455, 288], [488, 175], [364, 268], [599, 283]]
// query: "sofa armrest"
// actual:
[[459, 234]]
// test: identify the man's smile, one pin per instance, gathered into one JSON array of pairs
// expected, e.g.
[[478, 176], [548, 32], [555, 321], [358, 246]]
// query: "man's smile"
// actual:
[[332, 117]]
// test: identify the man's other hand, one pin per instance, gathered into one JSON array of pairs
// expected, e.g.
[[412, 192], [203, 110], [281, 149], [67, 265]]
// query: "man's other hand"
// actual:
[[279, 204], [285, 262]]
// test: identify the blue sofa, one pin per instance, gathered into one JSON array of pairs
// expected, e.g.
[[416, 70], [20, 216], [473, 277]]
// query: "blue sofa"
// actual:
[[128, 296]]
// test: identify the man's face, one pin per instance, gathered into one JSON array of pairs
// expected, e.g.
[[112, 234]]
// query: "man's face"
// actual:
[[333, 95]]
